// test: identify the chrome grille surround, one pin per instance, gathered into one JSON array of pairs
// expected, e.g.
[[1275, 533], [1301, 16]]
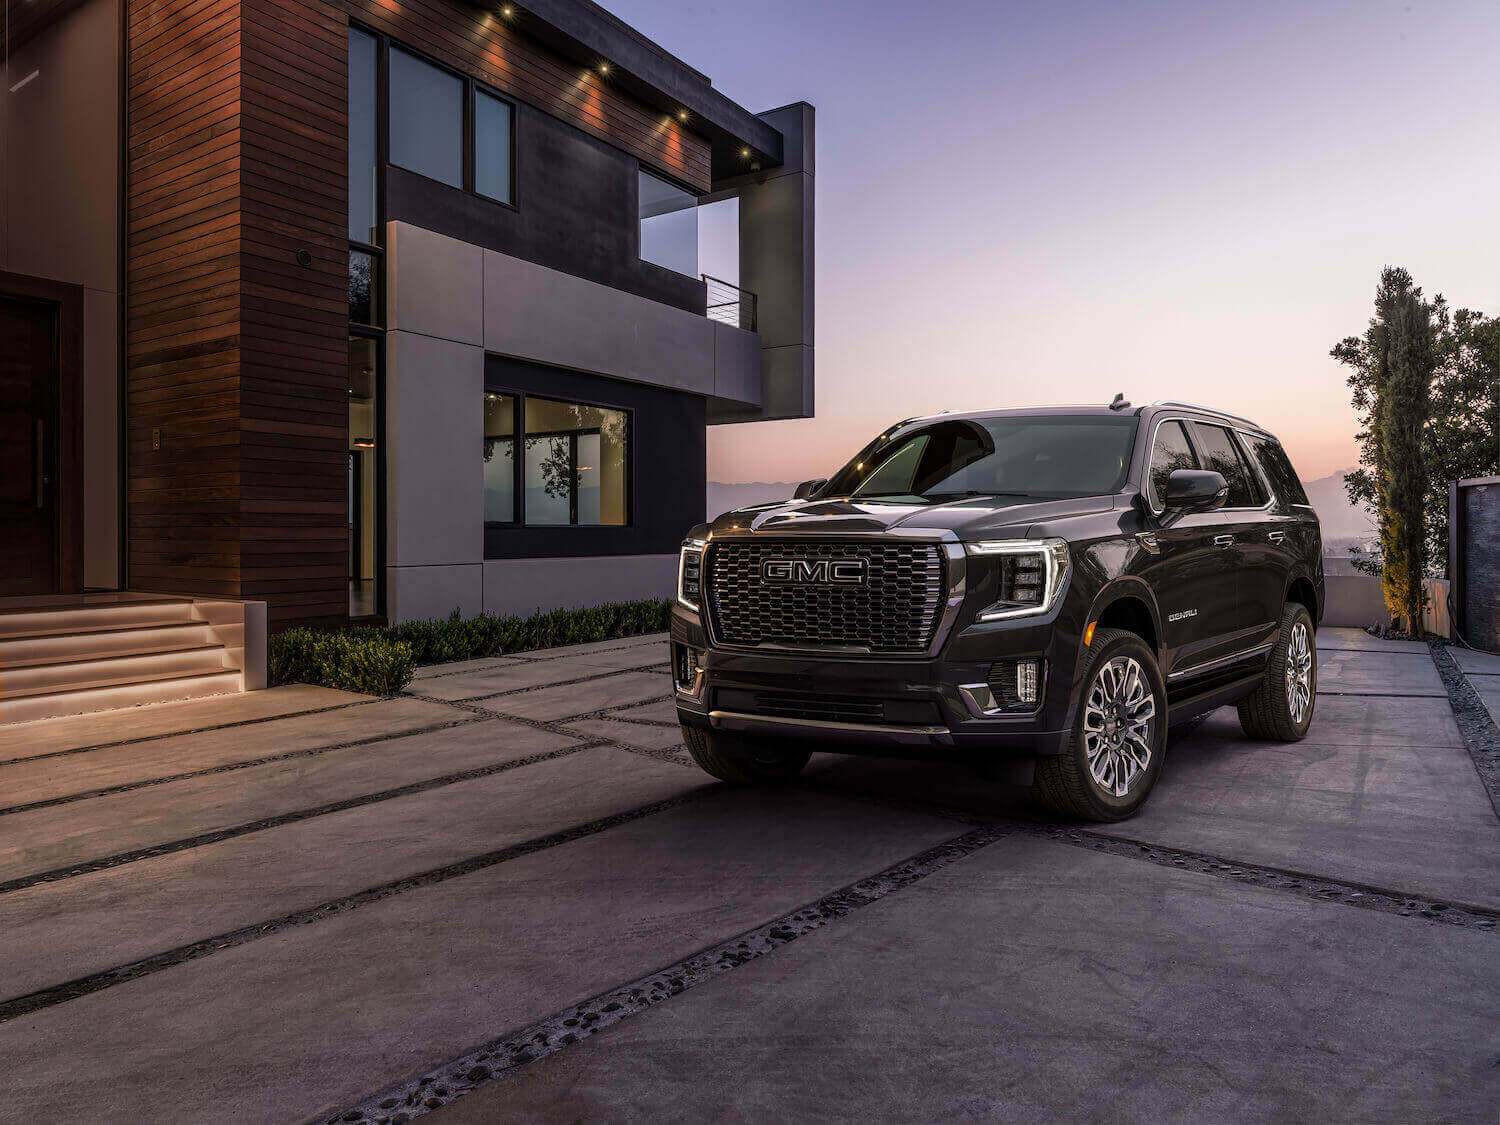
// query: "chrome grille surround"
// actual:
[[897, 610]]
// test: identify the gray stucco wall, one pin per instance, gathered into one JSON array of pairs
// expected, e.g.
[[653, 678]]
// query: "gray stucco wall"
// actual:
[[448, 304]]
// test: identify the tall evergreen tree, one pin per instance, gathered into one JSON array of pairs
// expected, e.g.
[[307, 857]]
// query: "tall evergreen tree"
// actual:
[[1405, 354]]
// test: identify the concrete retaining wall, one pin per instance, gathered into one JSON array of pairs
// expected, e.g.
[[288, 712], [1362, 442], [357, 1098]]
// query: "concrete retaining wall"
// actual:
[[1355, 600]]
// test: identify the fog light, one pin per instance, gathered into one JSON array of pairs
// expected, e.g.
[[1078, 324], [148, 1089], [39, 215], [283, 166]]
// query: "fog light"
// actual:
[[687, 674], [1026, 680]]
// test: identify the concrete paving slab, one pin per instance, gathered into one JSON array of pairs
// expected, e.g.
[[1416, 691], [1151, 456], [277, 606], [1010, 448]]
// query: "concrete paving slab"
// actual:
[[56, 932], [36, 780], [49, 838], [1409, 818], [549, 704], [1357, 640], [294, 1025], [631, 734], [1351, 720], [1475, 662], [519, 676], [50, 735], [643, 640], [1378, 673], [661, 711], [1033, 981], [453, 667], [1488, 690]]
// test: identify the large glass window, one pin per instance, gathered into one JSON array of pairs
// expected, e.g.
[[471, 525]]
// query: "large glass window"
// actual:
[[574, 463], [492, 148], [363, 120], [1170, 453], [499, 458], [1220, 455], [669, 225], [364, 475], [427, 119]]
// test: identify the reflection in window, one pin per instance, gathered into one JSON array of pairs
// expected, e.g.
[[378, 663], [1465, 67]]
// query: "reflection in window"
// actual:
[[364, 292], [499, 458], [669, 225], [364, 476], [894, 476], [362, 147], [1170, 453], [575, 464], [492, 132], [1221, 456], [427, 119]]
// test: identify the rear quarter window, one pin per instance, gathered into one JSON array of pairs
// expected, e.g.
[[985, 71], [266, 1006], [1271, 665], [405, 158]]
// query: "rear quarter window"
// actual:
[[1277, 467]]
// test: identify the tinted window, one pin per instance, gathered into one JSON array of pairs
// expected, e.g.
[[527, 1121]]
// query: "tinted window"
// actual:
[[1277, 466], [1170, 453], [669, 225], [362, 119], [1041, 456], [1222, 456], [427, 119], [492, 129]]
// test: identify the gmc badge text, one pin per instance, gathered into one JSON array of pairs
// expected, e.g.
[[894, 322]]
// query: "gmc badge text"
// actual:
[[1050, 594]]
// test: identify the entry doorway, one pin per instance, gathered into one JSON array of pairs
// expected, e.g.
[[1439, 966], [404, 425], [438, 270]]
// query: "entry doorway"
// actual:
[[40, 504]]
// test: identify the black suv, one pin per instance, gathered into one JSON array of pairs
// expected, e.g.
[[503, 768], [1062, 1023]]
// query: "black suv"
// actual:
[[1046, 593]]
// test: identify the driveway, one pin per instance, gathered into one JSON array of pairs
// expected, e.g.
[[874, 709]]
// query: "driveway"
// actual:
[[509, 895]]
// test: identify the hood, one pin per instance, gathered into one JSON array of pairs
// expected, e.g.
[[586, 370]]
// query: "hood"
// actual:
[[975, 517]]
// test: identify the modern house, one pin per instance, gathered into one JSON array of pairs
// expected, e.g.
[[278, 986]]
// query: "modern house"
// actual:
[[372, 308]]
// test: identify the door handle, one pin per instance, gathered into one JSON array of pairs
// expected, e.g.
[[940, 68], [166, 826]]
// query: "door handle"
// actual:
[[1223, 540], [1276, 536], [41, 464]]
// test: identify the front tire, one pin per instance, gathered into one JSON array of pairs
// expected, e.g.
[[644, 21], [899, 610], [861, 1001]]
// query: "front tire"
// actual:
[[1112, 756], [1281, 708], [743, 761]]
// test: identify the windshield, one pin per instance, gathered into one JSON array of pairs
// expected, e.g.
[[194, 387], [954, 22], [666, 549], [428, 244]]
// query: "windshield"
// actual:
[[1045, 457]]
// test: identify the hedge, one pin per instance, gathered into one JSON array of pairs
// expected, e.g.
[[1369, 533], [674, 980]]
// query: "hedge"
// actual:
[[379, 660]]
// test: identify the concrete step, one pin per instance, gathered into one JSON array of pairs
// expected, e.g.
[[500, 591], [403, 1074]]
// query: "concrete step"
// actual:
[[92, 618], [70, 675], [47, 648], [166, 688]]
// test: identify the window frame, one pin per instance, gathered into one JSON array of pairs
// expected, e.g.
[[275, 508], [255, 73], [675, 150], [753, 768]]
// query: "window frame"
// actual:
[[471, 85], [518, 467], [1234, 432], [1252, 474], [1247, 437], [1187, 436], [642, 169]]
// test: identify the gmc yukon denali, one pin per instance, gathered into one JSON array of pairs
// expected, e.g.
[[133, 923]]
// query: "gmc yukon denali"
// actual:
[[1050, 594]]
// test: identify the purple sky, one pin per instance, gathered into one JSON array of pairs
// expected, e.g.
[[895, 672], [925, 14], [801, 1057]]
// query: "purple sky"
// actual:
[[1033, 203]]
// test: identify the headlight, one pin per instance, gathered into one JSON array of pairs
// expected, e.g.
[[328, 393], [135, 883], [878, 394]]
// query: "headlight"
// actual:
[[1030, 575], [690, 574]]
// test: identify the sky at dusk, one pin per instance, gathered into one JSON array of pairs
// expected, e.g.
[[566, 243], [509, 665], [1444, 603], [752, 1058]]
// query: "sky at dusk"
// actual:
[[1020, 204]]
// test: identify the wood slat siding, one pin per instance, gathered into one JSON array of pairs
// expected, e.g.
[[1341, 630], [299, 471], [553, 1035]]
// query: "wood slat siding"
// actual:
[[481, 43], [238, 355]]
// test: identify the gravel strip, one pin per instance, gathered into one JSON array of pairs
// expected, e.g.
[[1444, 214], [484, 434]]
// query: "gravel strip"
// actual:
[[1475, 723]]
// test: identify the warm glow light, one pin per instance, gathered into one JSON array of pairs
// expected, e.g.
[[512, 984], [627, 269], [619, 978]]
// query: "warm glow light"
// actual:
[[604, 68], [745, 152], [682, 115], [507, 11], [1088, 634]]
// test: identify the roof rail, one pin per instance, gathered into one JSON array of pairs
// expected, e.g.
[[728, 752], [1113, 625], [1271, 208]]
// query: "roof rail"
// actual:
[[1207, 410]]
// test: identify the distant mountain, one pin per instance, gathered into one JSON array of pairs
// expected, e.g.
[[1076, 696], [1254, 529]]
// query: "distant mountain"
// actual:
[[1343, 523]]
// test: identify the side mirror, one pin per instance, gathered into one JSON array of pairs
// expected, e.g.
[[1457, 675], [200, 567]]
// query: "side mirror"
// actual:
[[808, 487], [1195, 490]]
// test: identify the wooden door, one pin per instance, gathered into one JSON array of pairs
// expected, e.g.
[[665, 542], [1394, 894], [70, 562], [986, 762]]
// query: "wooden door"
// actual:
[[29, 432]]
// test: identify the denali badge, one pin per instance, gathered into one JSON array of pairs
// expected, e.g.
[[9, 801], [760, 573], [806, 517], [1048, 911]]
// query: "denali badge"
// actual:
[[825, 572], [1182, 613]]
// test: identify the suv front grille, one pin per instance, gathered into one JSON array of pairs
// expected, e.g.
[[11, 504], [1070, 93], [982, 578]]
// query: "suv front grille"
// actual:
[[894, 609]]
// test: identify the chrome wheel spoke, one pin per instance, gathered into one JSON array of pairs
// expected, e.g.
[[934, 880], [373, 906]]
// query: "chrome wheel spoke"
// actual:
[[1119, 724]]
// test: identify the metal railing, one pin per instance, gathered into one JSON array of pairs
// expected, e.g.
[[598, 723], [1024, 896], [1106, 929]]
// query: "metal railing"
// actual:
[[729, 304]]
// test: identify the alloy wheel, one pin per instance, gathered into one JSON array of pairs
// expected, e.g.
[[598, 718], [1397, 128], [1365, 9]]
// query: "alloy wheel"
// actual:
[[1119, 725], [1299, 664]]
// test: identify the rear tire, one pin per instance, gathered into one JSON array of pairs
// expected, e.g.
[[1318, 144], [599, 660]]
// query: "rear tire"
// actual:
[[1112, 756], [1281, 708], [743, 761]]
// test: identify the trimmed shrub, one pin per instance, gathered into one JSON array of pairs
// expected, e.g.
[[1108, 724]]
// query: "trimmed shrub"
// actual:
[[354, 660], [375, 656]]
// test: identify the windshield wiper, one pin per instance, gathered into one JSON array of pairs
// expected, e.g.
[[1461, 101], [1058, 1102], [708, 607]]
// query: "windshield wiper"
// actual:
[[967, 493]]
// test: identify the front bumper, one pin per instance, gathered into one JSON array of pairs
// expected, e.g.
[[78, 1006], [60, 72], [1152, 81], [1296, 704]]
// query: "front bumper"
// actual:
[[936, 719]]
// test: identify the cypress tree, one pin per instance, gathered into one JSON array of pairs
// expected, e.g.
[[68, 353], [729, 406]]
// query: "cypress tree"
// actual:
[[1405, 354]]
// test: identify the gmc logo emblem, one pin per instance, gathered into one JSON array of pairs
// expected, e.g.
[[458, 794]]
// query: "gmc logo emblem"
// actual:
[[822, 572]]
